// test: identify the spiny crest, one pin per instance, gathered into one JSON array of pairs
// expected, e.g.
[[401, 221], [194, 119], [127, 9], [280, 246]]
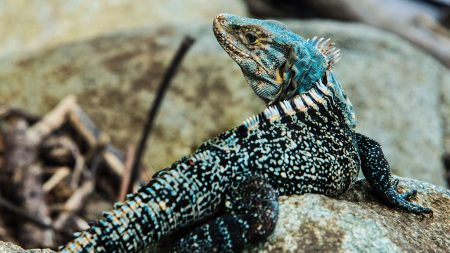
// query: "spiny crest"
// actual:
[[252, 122], [272, 113], [317, 97], [309, 102], [300, 103], [287, 107], [324, 88], [331, 53]]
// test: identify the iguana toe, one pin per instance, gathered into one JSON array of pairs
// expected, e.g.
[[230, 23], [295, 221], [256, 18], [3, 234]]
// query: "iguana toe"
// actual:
[[400, 200]]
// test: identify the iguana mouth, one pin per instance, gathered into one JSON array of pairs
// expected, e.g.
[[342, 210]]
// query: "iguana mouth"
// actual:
[[226, 42]]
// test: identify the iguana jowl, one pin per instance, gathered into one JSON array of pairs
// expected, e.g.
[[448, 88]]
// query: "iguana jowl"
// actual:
[[304, 142]]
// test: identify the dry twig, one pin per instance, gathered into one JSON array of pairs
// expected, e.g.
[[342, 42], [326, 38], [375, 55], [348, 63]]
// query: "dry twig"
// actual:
[[29, 217], [184, 47], [127, 173], [76, 202], [26, 181]]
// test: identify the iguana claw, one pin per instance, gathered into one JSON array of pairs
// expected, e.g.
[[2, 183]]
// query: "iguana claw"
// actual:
[[401, 200]]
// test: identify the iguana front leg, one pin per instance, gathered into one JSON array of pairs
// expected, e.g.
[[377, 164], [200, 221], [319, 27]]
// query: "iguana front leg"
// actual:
[[251, 212], [377, 172]]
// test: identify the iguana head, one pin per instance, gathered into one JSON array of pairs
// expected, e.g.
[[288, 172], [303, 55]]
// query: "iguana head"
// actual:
[[276, 62]]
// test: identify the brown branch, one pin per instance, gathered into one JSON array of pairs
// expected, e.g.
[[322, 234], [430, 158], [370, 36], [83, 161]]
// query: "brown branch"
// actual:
[[34, 202], [126, 177], [7, 112], [52, 120], [446, 162], [26, 183], [184, 47], [59, 175], [24, 144], [68, 110], [77, 201], [29, 217], [113, 161]]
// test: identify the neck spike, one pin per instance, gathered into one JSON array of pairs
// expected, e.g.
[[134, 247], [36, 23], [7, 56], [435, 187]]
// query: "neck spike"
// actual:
[[327, 49]]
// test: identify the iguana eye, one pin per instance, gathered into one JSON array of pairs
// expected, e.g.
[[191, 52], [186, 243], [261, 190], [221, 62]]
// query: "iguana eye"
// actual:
[[251, 37]]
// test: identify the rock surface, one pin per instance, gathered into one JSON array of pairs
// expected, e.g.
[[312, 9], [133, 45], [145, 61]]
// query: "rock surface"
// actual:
[[396, 89], [359, 222], [7, 247], [445, 111], [53, 22]]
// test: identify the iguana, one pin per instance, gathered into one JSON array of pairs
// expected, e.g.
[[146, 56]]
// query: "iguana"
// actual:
[[304, 142]]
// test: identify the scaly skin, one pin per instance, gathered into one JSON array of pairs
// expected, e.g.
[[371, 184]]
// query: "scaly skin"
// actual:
[[304, 142], [296, 55]]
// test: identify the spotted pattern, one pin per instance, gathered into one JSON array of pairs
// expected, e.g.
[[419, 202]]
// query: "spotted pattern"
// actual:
[[296, 146], [250, 215], [227, 190]]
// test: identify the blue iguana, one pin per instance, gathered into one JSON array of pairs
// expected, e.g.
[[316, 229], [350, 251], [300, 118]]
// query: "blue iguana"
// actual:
[[227, 190]]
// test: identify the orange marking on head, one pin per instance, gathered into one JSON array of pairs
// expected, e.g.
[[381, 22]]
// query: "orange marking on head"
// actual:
[[278, 77]]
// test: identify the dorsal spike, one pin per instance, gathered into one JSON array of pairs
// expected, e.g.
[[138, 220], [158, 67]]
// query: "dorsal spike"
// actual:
[[337, 60], [309, 102], [316, 96], [328, 50], [324, 45], [319, 40], [320, 95], [330, 47], [323, 88], [287, 107], [298, 103], [333, 51], [252, 122], [271, 113]]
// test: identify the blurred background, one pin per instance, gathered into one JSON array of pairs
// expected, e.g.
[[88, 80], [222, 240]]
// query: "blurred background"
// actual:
[[93, 69]]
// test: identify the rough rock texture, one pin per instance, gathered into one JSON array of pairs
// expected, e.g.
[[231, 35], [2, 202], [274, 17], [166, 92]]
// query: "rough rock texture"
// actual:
[[445, 110], [31, 25], [395, 89], [7, 247], [359, 222]]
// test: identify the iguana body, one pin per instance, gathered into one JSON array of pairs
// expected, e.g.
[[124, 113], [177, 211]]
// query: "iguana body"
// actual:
[[304, 142]]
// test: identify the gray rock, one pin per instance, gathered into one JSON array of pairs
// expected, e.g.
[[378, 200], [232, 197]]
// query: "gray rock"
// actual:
[[51, 23], [445, 111], [7, 247], [359, 222], [395, 89]]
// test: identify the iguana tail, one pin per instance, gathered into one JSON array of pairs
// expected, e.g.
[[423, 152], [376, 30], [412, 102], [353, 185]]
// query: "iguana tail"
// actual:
[[174, 198]]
